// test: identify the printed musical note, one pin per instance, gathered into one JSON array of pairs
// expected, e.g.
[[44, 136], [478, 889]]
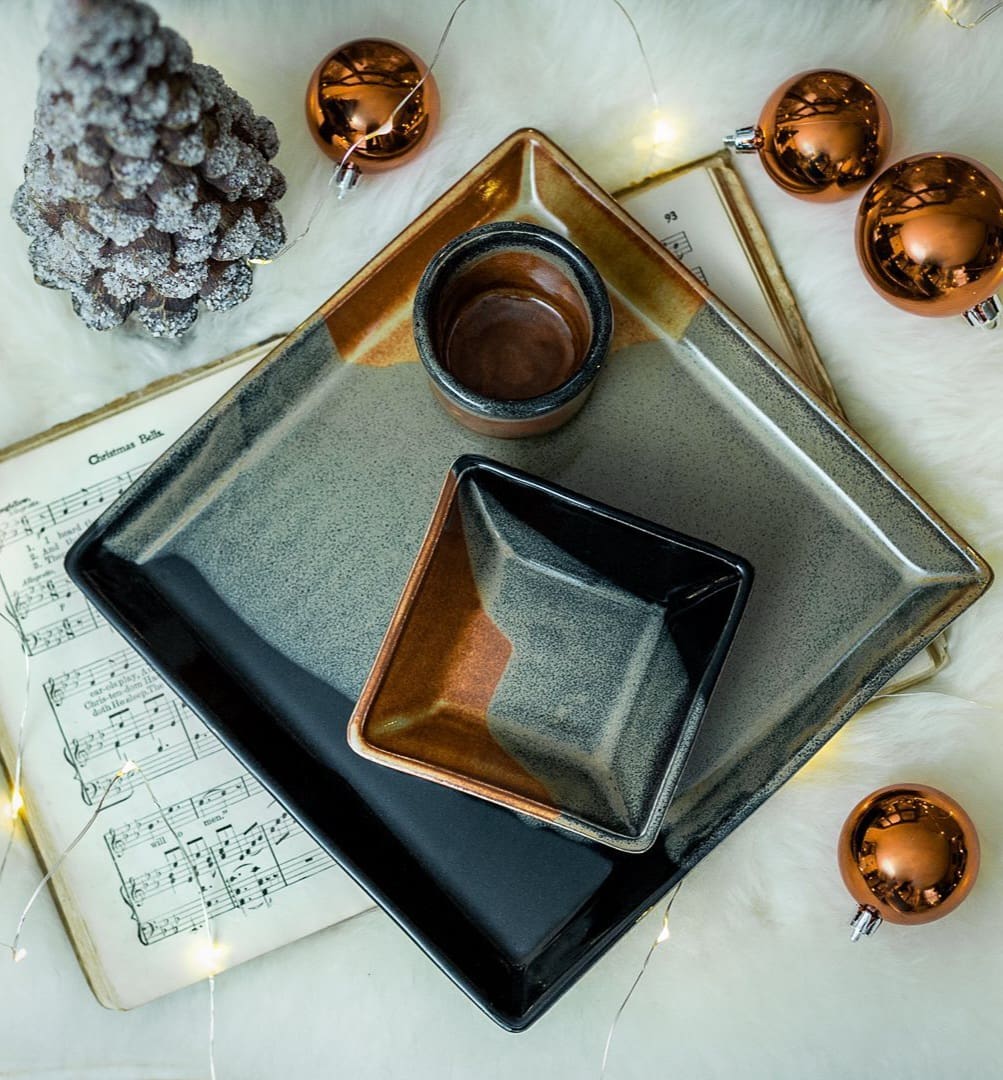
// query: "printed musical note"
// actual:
[[51, 635], [229, 868], [38, 518], [698, 272], [54, 589], [86, 677], [206, 806], [678, 243], [155, 729], [17, 525]]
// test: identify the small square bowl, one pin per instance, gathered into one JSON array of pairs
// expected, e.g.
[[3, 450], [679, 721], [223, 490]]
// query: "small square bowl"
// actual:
[[551, 654]]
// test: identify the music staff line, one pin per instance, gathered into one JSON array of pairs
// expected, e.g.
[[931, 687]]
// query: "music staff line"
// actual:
[[82, 621], [219, 901], [123, 726], [161, 761], [229, 851], [92, 676], [37, 520], [678, 243], [239, 871], [155, 733], [54, 589], [144, 830]]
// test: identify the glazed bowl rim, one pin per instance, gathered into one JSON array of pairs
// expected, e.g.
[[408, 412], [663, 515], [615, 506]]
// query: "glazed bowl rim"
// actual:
[[483, 241]]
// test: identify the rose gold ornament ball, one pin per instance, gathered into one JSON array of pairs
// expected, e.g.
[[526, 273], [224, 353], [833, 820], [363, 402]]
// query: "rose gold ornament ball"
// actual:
[[823, 134], [909, 852], [354, 91], [930, 234]]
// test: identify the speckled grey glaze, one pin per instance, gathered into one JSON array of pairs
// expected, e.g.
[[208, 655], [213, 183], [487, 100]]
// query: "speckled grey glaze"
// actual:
[[296, 507], [583, 651]]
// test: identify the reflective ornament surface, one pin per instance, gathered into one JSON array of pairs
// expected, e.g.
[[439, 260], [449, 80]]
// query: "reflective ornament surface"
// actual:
[[821, 135], [930, 234], [352, 95], [909, 854]]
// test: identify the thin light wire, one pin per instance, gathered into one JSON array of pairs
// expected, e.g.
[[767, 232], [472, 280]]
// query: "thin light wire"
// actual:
[[936, 693], [663, 935], [18, 953], [127, 767], [387, 124], [948, 14], [655, 104], [317, 207], [14, 946]]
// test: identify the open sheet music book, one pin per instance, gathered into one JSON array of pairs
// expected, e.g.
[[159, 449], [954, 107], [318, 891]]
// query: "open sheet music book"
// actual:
[[127, 894]]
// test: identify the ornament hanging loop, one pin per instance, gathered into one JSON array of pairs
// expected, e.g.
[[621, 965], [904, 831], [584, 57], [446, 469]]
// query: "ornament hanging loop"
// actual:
[[346, 176], [746, 140], [864, 923], [985, 315]]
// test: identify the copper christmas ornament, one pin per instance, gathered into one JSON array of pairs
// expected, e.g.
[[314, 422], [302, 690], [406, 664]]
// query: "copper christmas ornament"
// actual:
[[908, 854], [821, 135], [352, 95], [930, 237]]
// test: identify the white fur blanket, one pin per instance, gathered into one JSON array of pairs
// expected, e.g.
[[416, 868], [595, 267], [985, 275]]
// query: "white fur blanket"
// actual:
[[759, 979]]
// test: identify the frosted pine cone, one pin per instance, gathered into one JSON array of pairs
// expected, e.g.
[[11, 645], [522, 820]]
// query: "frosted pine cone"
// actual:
[[147, 184]]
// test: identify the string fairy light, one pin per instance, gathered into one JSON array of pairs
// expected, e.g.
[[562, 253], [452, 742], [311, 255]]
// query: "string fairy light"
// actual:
[[658, 141], [660, 938], [16, 796], [212, 954], [663, 934], [17, 951], [661, 129], [948, 8]]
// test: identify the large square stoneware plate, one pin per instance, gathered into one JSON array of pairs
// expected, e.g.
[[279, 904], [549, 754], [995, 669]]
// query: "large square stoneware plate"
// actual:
[[256, 565]]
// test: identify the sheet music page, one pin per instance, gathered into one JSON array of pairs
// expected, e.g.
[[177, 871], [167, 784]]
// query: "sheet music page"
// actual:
[[128, 891], [685, 214]]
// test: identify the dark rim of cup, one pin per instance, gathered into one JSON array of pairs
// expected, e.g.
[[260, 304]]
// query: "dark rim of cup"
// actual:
[[484, 240]]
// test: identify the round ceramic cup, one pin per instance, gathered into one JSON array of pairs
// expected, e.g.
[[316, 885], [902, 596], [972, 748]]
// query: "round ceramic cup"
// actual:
[[512, 323]]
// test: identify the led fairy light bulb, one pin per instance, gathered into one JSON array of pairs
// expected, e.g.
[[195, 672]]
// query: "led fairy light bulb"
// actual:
[[659, 138], [663, 135], [210, 956]]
